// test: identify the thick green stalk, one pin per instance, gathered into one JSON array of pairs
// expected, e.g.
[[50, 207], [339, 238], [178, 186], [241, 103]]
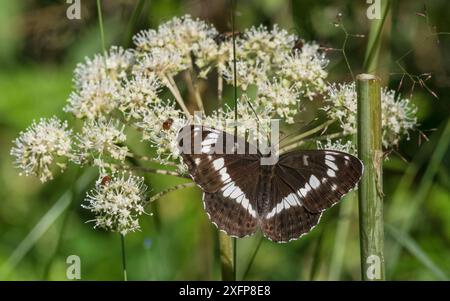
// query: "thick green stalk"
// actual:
[[226, 256], [370, 187]]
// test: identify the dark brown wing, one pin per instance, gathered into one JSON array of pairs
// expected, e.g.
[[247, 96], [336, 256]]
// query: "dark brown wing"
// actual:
[[320, 178], [222, 165], [287, 219]]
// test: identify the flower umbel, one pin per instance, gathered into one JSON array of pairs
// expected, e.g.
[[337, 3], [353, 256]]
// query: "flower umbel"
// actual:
[[117, 203], [44, 144], [398, 114], [99, 143]]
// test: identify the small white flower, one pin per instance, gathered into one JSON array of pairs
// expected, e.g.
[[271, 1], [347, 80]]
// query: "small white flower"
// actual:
[[283, 100], [163, 62], [99, 143], [305, 69], [398, 115], [41, 146], [247, 73], [118, 62], [160, 125], [338, 145], [93, 100], [269, 47], [117, 202], [183, 35], [138, 94]]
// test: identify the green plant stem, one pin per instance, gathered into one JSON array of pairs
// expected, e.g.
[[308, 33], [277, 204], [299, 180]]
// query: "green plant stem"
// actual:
[[370, 188], [226, 256], [100, 25], [168, 190], [171, 85], [192, 84], [252, 258], [235, 241], [316, 257], [297, 140], [340, 239], [409, 244], [124, 257], [374, 40], [219, 90], [62, 231], [133, 22], [43, 225], [153, 170], [233, 21]]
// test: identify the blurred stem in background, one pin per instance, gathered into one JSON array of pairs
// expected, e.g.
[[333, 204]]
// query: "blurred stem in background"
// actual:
[[128, 36], [75, 195], [371, 223], [102, 39], [374, 39], [226, 256], [341, 235]]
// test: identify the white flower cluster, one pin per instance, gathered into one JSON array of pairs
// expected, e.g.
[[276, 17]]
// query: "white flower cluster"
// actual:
[[42, 146], [117, 202], [169, 49], [253, 123], [97, 82], [338, 145], [398, 114], [282, 74], [99, 143]]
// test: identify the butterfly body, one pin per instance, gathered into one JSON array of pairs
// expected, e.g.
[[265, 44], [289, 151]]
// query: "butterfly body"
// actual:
[[241, 195]]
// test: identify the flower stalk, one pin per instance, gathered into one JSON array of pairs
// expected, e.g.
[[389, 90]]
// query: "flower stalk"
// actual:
[[370, 188], [226, 256]]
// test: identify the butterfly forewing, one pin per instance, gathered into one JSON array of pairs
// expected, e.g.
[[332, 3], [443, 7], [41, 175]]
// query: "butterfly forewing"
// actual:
[[229, 193]]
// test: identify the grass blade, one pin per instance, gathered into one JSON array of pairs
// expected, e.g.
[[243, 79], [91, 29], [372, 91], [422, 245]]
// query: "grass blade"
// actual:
[[409, 212], [408, 243]]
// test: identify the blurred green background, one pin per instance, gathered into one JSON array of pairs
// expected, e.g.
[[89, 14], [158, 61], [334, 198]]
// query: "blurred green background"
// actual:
[[39, 48]]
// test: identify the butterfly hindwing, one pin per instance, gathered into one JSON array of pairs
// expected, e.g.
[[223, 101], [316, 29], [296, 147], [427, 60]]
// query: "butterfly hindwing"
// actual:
[[233, 208], [287, 219], [320, 178]]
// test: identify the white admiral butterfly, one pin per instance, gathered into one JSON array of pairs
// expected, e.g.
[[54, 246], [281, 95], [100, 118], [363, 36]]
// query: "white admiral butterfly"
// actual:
[[284, 200]]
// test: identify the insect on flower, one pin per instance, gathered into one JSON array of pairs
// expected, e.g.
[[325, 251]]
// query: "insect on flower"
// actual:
[[167, 124], [105, 180], [298, 44]]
